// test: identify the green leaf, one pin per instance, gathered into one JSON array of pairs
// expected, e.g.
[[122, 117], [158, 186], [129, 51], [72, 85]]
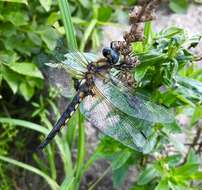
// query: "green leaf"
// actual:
[[26, 90], [68, 26], [85, 3], [49, 36], [174, 160], [34, 38], [148, 35], [104, 13], [138, 47], [17, 18], [163, 185], [7, 29], [189, 88], [193, 158], [193, 41], [119, 175], [67, 183], [170, 32], [152, 58], [28, 69], [197, 114], [120, 158], [16, 1], [72, 123], [54, 16], [147, 175], [172, 127], [32, 169], [197, 175], [87, 33], [46, 4], [136, 187], [186, 170], [177, 186], [8, 57], [12, 79], [23, 123], [140, 73], [179, 6]]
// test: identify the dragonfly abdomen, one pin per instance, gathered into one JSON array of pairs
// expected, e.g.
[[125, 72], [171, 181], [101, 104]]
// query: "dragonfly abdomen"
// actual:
[[71, 108]]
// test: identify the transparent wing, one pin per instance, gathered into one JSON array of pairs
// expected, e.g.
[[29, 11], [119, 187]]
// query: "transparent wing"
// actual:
[[134, 106], [74, 62], [61, 81], [62, 66], [77, 62], [71, 62], [134, 133]]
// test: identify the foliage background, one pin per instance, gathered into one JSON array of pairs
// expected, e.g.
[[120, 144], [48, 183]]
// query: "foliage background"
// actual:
[[25, 33]]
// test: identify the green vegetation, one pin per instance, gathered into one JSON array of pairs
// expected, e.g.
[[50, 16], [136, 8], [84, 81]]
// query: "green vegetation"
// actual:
[[181, 6], [27, 107]]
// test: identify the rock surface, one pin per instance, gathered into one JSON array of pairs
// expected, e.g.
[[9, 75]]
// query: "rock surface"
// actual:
[[192, 22]]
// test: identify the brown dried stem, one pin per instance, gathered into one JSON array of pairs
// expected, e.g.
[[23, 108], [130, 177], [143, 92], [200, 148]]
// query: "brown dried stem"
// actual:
[[140, 14], [195, 141]]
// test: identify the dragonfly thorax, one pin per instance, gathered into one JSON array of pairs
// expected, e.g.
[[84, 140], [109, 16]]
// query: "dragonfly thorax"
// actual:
[[91, 68]]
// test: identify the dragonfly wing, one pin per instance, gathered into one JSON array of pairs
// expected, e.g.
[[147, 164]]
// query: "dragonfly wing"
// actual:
[[74, 63], [134, 106], [77, 62], [60, 80], [131, 132]]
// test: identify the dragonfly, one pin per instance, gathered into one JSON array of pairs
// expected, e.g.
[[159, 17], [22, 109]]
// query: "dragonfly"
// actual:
[[107, 102]]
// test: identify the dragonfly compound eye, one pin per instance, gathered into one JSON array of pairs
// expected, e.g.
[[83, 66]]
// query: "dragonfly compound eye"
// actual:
[[114, 56], [106, 53], [111, 55]]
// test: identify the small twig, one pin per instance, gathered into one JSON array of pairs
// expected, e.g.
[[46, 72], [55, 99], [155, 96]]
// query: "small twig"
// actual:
[[190, 144], [195, 140], [198, 59], [100, 178], [199, 149], [140, 14]]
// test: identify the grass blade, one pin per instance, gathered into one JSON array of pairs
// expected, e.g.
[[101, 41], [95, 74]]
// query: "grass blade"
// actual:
[[25, 124], [69, 29], [87, 34], [81, 146], [67, 183], [51, 182]]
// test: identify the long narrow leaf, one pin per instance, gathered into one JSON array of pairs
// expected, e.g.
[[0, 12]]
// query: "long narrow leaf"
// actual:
[[25, 124], [67, 183], [51, 182], [69, 29], [87, 34]]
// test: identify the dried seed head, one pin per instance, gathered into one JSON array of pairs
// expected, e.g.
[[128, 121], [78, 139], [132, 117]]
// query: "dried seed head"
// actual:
[[127, 79], [134, 14], [131, 61], [139, 14]]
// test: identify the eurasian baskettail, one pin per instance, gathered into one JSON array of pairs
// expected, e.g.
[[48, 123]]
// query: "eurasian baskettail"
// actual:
[[107, 102]]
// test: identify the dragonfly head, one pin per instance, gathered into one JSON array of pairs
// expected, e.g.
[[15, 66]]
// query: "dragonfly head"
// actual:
[[111, 55]]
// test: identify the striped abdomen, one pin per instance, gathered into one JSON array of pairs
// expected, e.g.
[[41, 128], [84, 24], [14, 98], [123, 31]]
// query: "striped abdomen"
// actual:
[[81, 94]]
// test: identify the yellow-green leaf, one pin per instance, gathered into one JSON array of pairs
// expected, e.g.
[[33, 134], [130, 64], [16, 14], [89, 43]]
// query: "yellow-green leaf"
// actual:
[[16, 1], [28, 69]]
